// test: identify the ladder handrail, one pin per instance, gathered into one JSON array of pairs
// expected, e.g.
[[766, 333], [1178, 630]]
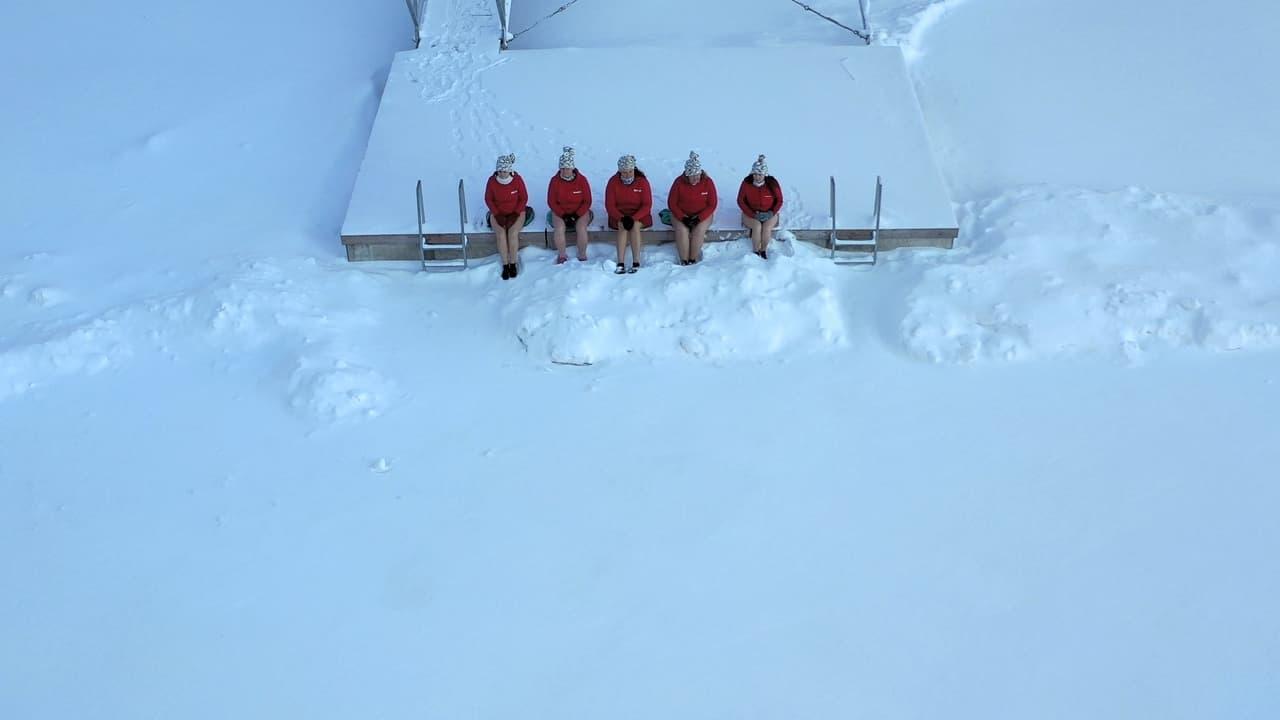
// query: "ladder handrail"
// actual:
[[873, 242], [422, 217], [833, 215], [462, 210], [431, 263], [416, 8], [462, 221], [875, 234]]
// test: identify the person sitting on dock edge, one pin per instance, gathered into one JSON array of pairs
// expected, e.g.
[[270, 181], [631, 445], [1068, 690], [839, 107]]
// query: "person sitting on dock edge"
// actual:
[[760, 199], [629, 201], [692, 202], [508, 200], [569, 197]]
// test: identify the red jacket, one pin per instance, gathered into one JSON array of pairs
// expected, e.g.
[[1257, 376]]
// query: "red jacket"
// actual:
[[508, 199], [685, 199], [766, 198], [635, 199], [569, 196]]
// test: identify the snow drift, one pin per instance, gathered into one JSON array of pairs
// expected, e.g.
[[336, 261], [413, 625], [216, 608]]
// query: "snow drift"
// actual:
[[731, 305], [1055, 271]]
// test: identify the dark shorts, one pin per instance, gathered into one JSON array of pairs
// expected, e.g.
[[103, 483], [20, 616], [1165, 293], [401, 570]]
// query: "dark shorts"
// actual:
[[528, 218], [646, 222]]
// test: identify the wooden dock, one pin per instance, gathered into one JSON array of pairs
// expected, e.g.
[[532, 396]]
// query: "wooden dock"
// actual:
[[405, 247], [424, 136]]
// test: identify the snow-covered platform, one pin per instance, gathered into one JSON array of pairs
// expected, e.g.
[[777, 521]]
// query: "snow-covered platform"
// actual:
[[847, 112]]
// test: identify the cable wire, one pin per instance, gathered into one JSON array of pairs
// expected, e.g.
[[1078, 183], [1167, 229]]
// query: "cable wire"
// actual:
[[866, 37], [558, 10]]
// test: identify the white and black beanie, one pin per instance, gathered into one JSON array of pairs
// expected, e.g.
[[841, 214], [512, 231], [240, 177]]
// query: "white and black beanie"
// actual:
[[693, 165]]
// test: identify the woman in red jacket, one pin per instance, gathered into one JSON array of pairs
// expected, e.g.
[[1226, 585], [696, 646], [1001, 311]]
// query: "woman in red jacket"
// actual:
[[569, 197], [760, 199], [692, 202], [507, 199], [629, 200]]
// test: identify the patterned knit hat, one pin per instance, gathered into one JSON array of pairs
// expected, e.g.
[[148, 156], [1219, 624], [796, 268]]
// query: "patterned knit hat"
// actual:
[[760, 166], [692, 166], [506, 162], [627, 162], [566, 158]]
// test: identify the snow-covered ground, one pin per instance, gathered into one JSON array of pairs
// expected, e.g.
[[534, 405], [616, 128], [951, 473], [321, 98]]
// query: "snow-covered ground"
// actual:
[[1173, 97], [1034, 476]]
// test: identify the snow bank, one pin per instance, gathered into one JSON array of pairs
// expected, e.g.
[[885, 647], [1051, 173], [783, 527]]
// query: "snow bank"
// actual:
[[333, 390], [288, 313], [730, 305], [906, 23], [48, 353], [1053, 272], [263, 314]]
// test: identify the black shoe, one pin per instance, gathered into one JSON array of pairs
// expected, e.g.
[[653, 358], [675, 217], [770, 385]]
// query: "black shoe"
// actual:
[[764, 254], [684, 262], [506, 272], [515, 269], [620, 270], [634, 267]]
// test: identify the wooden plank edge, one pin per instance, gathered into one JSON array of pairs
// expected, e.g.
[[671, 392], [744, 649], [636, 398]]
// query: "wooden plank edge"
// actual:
[[405, 246]]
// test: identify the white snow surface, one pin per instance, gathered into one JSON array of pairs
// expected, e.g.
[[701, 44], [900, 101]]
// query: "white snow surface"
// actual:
[[1109, 94], [1033, 476]]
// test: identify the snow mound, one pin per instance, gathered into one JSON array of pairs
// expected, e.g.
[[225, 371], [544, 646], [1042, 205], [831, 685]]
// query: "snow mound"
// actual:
[[85, 347], [1055, 272], [336, 391], [254, 315], [907, 22], [731, 305], [283, 312]]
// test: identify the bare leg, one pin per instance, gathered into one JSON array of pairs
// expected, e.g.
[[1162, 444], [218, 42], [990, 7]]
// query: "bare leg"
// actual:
[[752, 225], [581, 236], [500, 239], [682, 240], [622, 244], [557, 233], [513, 243], [637, 243], [766, 231], [696, 237]]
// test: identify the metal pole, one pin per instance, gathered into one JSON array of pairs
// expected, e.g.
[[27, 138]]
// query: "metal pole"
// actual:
[[879, 193], [833, 217], [415, 14], [462, 224], [875, 234], [422, 217], [504, 13]]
